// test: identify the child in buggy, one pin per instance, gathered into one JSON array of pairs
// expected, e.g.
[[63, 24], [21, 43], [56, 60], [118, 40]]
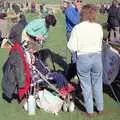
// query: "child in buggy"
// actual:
[[26, 71], [37, 66]]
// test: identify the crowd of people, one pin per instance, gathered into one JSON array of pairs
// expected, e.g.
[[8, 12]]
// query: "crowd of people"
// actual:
[[86, 52]]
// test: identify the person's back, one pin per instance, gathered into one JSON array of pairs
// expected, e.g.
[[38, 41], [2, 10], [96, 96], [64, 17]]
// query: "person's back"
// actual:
[[94, 33], [37, 27]]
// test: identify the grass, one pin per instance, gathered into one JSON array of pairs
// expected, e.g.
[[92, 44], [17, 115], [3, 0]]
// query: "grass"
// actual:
[[57, 44], [97, 1], [49, 1], [84, 1]]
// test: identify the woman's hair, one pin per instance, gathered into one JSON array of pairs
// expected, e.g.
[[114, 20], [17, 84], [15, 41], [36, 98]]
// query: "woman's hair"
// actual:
[[50, 20], [88, 13], [114, 2]]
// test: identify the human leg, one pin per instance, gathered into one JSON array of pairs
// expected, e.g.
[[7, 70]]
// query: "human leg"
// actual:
[[83, 69], [111, 34], [97, 82], [117, 33]]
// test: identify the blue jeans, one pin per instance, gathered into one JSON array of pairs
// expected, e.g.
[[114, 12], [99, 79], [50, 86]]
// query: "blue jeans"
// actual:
[[90, 70]]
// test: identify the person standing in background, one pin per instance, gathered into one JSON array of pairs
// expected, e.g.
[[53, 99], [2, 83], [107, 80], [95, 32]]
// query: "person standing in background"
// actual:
[[16, 30], [86, 39], [72, 18], [33, 6], [65, 4], [113, 21], [43, 11]]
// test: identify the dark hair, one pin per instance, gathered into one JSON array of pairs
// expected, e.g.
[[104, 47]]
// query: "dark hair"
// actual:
[[88, 12], [50, 20], [22, 17], [114, 2]]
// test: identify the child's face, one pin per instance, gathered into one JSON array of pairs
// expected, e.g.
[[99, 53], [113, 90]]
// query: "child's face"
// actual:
[[31, 50]]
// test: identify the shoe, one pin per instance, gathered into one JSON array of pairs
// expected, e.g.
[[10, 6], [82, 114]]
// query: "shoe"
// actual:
[[88, 115], [69, 88], [9, 100], [100, 112]]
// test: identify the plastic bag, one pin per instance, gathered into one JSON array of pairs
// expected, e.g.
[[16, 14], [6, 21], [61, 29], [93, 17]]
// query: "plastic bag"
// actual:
[[49, 102]]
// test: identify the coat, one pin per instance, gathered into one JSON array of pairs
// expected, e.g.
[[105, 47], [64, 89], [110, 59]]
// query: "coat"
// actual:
[[113, 14], [16, 74]]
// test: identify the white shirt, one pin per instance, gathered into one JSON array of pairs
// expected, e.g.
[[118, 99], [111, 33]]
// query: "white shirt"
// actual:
[[86, 37]]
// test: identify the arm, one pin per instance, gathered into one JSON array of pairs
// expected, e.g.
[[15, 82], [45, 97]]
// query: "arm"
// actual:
[[72, 43]]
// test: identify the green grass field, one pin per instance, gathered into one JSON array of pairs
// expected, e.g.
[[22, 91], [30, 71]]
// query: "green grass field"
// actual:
[[57, 44], [84, 1]]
